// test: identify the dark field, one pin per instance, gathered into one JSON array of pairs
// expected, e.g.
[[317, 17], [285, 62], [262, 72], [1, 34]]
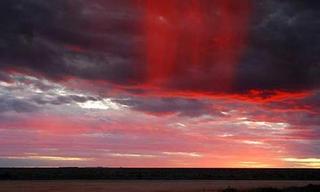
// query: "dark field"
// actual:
[[157, 180], [156, 174], [146, 186]]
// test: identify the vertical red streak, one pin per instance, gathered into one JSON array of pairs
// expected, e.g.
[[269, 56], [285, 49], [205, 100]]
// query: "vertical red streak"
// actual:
[[161, 20], [194, 31], [228, 39], [198, 40]]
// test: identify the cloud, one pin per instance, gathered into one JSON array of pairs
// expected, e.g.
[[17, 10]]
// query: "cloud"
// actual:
[[309, 103], [30, 94], [16, 105], [41, 161], [59, 39], [303, 162], [142, 77], [282, 53], [166, 106], [106, 41], [61, 100], [4, 77]]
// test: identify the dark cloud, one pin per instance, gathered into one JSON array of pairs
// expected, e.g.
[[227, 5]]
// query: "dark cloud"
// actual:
[[91, 40], [283, 48], [17, 105], [4, 77], [163, 106], [103, 40]]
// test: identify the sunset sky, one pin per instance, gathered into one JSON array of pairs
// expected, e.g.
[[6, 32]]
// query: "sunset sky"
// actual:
[[160, 83]]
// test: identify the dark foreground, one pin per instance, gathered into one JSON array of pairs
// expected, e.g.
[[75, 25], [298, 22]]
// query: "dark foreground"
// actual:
[[156, 174], [158, 186]]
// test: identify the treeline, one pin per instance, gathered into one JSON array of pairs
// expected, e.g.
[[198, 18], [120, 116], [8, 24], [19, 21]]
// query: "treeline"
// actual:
[[157, 174]]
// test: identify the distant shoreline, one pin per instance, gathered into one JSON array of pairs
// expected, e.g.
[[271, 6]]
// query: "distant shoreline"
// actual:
[[74, 173]]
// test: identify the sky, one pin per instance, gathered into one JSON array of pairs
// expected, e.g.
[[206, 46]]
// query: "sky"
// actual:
[[160, 83]]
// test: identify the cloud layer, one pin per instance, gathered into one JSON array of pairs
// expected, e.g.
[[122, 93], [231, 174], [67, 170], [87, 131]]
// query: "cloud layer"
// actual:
[[159, 83], [207, 47]]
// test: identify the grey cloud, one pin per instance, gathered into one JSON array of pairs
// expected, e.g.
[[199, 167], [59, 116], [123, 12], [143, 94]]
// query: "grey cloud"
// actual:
[[17, 105], [40, 84], [60, 100], [4, 77], [28, 94], [158, 106], [9, 162]]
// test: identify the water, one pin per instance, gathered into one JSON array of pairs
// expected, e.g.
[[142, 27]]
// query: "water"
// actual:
[[140, 185]]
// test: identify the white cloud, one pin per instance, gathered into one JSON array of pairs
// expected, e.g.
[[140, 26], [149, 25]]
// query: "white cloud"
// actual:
[[253, 142], [104, 104], [190, 154]]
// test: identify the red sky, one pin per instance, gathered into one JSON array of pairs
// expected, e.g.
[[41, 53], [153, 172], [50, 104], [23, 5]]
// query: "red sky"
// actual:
[[194, 83]]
